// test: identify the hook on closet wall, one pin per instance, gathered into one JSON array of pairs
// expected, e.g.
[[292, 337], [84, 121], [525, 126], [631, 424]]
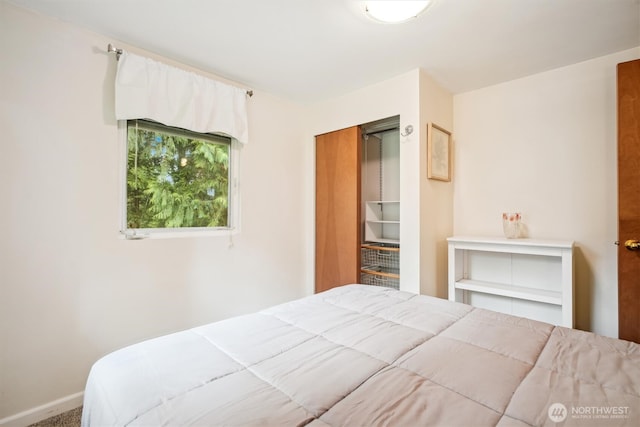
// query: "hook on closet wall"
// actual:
[[408, 130]]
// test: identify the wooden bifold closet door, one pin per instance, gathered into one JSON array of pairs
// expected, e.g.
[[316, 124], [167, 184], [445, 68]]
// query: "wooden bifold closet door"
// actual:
[[338, 229]]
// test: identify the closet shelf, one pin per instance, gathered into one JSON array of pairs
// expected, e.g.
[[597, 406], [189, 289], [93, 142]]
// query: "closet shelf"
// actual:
[[386, 241], [381, 221]]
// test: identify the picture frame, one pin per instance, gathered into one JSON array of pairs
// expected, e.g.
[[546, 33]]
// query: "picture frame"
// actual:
[[438, 153]]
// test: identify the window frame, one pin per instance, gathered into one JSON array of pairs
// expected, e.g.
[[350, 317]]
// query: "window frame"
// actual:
[[233, 202]]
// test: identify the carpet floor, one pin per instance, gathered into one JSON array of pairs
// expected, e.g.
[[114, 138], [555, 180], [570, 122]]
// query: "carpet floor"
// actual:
[[66, 419]]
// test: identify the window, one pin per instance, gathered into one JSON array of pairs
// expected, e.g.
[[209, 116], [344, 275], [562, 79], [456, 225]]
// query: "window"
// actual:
[[177, 181]]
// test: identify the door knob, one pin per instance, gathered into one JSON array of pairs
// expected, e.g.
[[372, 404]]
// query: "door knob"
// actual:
[[632, 245]]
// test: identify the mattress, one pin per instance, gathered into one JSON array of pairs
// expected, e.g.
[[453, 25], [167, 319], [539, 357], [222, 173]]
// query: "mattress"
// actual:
[[361, 355]]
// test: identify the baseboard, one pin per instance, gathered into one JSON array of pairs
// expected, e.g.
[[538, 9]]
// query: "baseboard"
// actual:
[[30, 416]]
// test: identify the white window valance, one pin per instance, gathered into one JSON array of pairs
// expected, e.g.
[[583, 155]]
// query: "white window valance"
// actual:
[[147, 89]]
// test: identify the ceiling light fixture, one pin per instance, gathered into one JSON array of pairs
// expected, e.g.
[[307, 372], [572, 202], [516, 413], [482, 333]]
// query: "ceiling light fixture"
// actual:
[[395, 12]]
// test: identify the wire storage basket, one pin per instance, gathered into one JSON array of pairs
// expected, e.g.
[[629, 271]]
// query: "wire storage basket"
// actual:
[[375, 280], [380, 265], [385, 257]]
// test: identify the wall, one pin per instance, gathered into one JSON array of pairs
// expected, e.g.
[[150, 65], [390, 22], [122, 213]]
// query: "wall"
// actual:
[[417, 99], [71, 290], [436, 197], [392, 97], [545, 145]]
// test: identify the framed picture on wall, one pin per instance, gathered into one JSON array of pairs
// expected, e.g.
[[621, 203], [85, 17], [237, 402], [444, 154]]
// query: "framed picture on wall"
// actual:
[[438, 153]]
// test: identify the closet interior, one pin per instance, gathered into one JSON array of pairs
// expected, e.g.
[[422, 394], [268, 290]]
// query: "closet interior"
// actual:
[[380, 199]]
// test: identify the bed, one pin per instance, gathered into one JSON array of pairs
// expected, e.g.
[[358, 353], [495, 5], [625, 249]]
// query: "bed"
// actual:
[[361, 355]]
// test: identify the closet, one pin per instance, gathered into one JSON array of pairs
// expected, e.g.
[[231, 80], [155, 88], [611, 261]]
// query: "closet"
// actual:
[[358, 206], [380, 250]]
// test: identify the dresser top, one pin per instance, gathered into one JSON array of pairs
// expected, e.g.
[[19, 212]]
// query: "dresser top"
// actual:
[[562, 244]]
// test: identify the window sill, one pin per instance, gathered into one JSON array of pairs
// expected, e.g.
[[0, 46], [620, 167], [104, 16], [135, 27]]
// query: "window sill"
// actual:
[[176, 233]]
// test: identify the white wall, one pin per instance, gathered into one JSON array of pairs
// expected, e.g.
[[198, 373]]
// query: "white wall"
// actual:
[[70, 289], [397, 96], [417, 99], [436, 197], [545, 145]]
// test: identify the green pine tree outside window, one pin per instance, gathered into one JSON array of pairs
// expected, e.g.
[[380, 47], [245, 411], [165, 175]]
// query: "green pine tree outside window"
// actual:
[[176, 178]]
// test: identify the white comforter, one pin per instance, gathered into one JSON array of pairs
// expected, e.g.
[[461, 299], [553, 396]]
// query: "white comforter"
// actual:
[[363, 356]]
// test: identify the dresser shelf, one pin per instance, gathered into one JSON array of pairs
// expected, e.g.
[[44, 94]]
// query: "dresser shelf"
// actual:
[[525, 277], [511, 291]]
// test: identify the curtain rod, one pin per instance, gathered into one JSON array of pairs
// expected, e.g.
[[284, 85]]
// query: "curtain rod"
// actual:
[[112, 49]]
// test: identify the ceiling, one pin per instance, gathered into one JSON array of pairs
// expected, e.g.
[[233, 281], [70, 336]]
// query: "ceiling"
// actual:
[[309, 50]]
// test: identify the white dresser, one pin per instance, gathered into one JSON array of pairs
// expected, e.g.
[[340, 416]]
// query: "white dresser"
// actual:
[[524, 277]]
